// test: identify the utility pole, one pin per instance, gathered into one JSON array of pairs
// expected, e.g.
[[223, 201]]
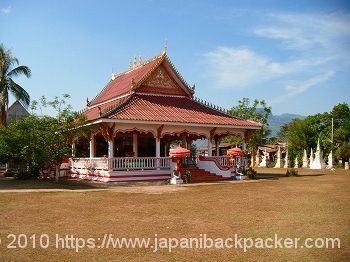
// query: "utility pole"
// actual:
[[332, 130]]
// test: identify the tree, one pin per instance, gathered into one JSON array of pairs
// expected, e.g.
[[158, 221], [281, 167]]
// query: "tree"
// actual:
[[9, 68], [47, 140], [304, 134], [343, 152], [59, 132], [300, 135], [258, 111]]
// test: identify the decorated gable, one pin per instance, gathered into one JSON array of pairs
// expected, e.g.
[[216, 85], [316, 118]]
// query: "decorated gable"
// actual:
[[161, 82]]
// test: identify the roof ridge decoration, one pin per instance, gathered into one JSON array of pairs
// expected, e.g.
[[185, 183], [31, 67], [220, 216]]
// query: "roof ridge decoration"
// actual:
[[191, 89], [89, 102], [219, 109], [136, 84], [111, 109], [114, 76], [216, 108], [161, 56]]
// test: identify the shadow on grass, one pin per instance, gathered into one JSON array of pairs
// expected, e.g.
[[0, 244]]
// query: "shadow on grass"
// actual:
[[8, 183], [276, 176]]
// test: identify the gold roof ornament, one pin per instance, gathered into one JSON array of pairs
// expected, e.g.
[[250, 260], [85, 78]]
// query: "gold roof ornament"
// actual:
[[135, 61], [166, 44]]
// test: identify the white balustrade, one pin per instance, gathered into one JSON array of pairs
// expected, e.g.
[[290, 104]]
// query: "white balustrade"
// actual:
[[122, 163]]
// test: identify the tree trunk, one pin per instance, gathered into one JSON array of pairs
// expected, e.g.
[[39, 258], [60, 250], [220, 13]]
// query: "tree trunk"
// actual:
[[252, 162], [3, 115]]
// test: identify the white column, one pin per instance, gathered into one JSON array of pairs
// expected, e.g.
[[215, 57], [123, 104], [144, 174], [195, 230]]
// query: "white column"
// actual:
[[92, 146], [135, 142], [244, 145], [158, 153], [73, 149], [110, 149], [217, 147], [210, 151]]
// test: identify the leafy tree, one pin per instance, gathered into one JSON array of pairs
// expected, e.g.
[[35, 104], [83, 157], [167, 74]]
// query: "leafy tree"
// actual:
[[60, 131], [300, 135], [9, 68], [343, 152], [303, 134], [258, 111], [43, 141], [341, 122]]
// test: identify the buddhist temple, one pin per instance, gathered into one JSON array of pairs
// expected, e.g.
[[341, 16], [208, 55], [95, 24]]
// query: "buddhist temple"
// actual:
[[137, 116]]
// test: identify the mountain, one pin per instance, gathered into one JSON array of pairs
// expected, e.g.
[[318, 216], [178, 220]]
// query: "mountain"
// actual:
[[276, 121]]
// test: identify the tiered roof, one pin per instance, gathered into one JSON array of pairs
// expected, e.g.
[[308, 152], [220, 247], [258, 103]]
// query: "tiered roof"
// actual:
[[154, 91]]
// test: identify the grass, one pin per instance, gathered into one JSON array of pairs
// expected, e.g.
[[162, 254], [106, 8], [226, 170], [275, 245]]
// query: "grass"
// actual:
[[313, 205]]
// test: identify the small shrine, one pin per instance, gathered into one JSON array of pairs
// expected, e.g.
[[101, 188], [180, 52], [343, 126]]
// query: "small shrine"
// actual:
[[286, 161], [305, 160], [265, 160], [318, 162], [279, 163], [330, 160]]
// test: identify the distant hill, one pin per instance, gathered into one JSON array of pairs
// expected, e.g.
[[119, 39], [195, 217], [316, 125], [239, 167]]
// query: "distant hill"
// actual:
[[275, 122]]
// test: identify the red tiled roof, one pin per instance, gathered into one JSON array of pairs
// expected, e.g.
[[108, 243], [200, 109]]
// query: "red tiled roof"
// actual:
[[130, 80], [141, 107], [122, 84]]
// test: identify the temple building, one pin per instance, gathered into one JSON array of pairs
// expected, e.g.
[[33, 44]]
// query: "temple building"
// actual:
[[140, 113]]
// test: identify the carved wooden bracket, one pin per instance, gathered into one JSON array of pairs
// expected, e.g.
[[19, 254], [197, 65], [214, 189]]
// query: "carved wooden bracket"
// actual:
[[106, 131], [212, 133], [159, 132]]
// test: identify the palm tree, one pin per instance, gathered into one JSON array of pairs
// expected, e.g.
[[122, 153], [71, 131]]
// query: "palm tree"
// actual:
[[9, 68]]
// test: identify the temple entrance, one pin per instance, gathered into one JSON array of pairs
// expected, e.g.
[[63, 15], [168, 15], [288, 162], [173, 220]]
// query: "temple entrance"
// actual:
[[82, 147], [124, 145], [146, 145], [101, 146]]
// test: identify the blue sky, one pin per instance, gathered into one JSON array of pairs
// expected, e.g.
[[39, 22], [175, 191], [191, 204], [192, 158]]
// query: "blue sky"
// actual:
[[295, 55]]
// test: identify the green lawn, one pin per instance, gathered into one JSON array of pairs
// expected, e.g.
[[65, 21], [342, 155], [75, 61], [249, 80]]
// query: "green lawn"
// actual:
[[314, 205]]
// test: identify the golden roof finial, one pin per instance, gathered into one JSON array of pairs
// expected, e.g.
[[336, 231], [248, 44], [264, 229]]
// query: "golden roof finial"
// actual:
[[135, 61], [166, 44], [140, 59], [130, 65]]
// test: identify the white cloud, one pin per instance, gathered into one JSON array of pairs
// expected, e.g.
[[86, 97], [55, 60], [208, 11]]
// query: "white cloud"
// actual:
[[6, 10], [239, 67], [300, 86], [318, 47], [296, 87], [308, 31]]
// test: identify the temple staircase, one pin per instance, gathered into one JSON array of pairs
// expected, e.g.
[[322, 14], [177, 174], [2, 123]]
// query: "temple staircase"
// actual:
[[201, 175]]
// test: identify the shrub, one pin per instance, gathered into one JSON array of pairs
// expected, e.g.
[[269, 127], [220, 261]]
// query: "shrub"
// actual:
[[23, 175], [250, 173], [291, 172]]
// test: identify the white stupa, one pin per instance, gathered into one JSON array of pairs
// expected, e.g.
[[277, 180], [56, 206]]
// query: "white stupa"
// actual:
[[318, 162], [279, 163], [265, 160], [330, 160], [296, 163], [305, 160], [286, 161]]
